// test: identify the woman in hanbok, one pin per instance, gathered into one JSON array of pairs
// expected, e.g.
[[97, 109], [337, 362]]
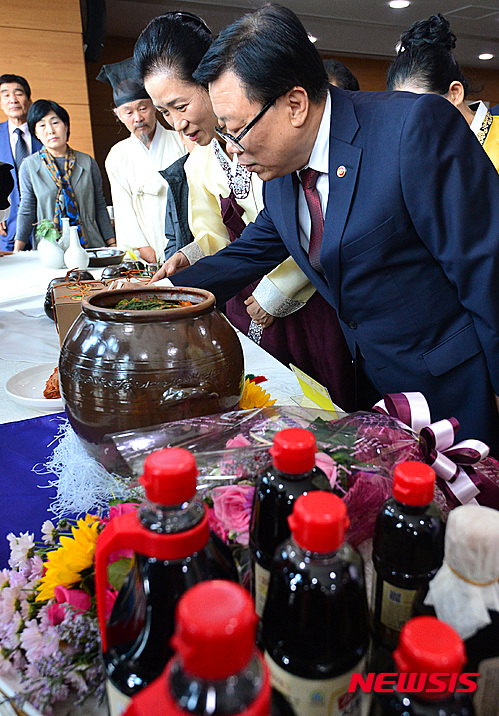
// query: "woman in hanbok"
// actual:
[[425, 64], [283, 313]]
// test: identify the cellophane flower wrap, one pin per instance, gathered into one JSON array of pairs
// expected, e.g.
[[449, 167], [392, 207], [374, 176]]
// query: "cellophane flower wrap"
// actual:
[[357, 452], [49, 634]]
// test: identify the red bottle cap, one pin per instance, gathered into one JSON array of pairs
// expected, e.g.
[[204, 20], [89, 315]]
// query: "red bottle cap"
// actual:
[[215, 629], [294, 451], [427, 645], [319, 521], [170, 476], [413, 483]]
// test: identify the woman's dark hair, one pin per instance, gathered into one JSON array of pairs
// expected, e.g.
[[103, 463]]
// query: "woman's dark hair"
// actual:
[[174, 41], [340, 75], [424, 57], [41, 108], [270, 52]]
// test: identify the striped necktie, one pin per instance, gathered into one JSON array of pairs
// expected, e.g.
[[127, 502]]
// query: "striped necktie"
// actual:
[[308, 178], [21, 148]]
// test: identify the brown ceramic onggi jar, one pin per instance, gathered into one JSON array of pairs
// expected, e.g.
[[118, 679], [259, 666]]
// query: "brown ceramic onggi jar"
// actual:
[[125, 369]]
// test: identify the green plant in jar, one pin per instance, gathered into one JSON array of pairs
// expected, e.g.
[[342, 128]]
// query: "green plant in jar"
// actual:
[[45, 229]]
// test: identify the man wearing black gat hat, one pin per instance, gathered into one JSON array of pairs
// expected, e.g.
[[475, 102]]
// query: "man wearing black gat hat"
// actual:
[[139, 192]]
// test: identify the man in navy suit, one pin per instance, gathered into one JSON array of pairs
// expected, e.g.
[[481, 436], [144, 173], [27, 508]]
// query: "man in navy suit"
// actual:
[[15, 100], [410, 243]]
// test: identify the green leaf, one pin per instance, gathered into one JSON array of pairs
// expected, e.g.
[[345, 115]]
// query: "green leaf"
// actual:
[[117, 571], [45, 229]]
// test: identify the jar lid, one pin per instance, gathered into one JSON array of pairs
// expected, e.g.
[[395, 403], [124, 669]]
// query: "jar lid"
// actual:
[[215, 629], [427, 645], [319, 521], [169, 476], [413, 483], [294, 451]]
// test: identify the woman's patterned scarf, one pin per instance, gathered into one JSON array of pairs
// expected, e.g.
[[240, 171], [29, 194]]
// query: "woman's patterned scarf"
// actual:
[[65, 203]]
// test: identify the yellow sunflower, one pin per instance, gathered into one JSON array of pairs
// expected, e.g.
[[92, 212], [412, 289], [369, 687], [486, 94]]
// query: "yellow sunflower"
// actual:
[[254, 397], [75, 554]]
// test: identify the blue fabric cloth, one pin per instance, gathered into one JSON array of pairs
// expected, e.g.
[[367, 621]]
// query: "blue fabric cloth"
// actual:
[[24, 503]]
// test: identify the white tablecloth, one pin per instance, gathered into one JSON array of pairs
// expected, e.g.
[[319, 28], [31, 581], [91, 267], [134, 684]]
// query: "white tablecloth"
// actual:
[[28, 337]]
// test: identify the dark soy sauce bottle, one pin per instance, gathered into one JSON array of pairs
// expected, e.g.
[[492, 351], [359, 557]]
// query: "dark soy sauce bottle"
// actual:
[[216, 668], [293, 474], [408, 549], [432, 654], [315, 629], [173, 551]]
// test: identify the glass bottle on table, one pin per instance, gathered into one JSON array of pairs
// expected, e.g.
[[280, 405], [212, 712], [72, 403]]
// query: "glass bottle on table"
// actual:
[[293, 473], [315, 630], [173, 551], [408, 549], [429, 659]]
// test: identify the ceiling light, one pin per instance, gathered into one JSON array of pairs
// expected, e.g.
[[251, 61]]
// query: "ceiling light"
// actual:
[[312, 38], [397, 4], [485, 56]]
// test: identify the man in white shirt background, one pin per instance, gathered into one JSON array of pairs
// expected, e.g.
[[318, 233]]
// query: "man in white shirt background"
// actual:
[[16, 143], [139, 193]]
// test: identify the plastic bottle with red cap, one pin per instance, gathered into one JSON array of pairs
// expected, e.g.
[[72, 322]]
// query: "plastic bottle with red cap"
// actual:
[[315, 630], [408, 549], [292, 474], [173, 550], [216, 668], [429, 660]]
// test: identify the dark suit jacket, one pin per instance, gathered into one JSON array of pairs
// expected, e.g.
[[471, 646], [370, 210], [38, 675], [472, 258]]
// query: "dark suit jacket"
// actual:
[[410, 251], [7, 242]]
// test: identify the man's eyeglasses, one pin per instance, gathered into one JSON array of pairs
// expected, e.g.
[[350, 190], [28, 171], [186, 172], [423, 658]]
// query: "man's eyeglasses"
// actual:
[[237, 140]]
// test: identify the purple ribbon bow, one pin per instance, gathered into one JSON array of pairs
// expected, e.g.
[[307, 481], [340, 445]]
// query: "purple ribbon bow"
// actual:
[[452, 463]]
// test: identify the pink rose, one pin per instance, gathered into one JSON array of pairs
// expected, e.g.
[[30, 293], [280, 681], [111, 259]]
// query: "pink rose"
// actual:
[[238, 441], [327, 465], [116, 511], [56, 614], [109, 600], [232, 508], [76, 598], [216, 527], [121, 509]]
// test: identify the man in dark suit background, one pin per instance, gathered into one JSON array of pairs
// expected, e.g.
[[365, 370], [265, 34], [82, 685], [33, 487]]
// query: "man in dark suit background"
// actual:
[[408, 253], [16, 143]]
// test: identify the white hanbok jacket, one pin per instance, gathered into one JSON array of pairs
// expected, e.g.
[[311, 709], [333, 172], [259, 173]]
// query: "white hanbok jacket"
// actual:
[[138, 191]]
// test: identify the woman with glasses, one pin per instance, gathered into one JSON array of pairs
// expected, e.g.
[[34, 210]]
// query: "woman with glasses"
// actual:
[[425, 64], [283, 313]]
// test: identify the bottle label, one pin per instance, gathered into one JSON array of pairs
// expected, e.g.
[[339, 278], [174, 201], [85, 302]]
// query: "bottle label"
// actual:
[[396, 605], [117, 702], [485, 700], [262, 578], [317, 697]]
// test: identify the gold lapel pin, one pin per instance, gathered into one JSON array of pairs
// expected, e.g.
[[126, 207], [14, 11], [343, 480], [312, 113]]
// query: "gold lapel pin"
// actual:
[[341, 171]]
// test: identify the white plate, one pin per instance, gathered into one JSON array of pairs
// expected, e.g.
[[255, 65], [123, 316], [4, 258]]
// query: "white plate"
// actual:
[[26, 388]]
